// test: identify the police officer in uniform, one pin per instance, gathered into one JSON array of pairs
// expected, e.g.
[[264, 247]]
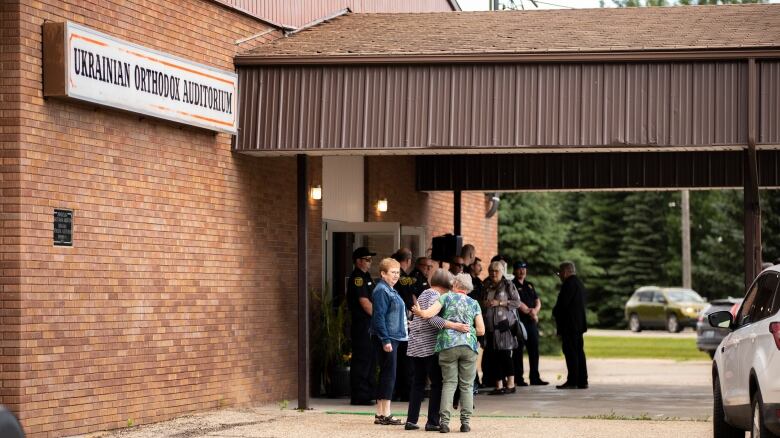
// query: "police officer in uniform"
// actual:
[[420, 274], [363, 364], [529, 316], [406, 289]]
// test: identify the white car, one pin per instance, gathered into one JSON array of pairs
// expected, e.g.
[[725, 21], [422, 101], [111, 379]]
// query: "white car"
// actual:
[[746, 366]]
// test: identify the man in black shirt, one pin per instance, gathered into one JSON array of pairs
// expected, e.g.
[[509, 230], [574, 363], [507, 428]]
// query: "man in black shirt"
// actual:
[[529, 316], [569, 313], [363, 363]]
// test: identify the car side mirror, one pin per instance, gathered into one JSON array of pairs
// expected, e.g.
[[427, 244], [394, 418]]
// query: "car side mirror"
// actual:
[[721, 319]]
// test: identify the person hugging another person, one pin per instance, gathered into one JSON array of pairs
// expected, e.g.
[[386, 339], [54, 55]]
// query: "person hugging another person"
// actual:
[[424, 358], [457, 350]]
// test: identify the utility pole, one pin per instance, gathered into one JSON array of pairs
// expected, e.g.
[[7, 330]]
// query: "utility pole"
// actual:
[[686, 238]]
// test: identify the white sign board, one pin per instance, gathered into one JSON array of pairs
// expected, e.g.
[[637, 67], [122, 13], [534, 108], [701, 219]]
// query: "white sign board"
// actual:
[[116, 73]]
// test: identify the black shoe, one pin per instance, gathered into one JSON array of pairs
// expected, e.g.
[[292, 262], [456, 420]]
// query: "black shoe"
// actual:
[[378, 419], [432, 428], [521, 383], [391, 421], [465, 428], [539, 383], [497, 391], [411, 426], [566, 386], [511, 390], [444, 428]]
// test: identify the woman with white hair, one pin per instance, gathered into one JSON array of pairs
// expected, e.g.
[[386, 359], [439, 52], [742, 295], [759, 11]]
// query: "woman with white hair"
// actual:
[[457, 350], [501, 300]]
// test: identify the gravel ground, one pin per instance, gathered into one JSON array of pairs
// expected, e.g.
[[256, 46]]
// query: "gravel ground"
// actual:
[[270, 421]]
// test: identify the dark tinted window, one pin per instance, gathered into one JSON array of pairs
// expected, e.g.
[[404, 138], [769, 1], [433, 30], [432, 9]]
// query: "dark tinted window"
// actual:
[[762, 307], [743, 316], [758, 302], [645, 297], [658, 297]]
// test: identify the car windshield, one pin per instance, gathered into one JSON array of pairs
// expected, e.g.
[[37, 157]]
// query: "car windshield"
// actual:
[[684, 296]]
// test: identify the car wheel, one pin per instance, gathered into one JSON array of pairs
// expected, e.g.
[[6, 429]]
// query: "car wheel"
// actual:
[[633, 323], [720, 428], [759, 429], [673, 324]]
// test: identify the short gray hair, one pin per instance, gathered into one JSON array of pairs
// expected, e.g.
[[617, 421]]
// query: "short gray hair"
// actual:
[[442, 278], [498, 265], [568, 266], [463, 280]]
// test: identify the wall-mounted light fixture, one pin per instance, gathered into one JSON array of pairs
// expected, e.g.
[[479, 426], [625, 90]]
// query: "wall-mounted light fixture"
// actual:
[[316, 192], [382, 205]]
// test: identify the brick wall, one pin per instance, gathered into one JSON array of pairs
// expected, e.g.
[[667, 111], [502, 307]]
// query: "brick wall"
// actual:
[[10, 250], [393, 177], [171, 299]]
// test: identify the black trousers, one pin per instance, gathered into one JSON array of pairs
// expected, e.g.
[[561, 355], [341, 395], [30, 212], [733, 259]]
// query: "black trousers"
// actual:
[[573, 348], [362, 371], [496, 364], [532, 346], [403, 374], [387, 366], [425, 368]]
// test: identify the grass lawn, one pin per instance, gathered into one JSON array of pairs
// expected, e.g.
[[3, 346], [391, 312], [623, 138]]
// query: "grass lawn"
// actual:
[[643, 348]]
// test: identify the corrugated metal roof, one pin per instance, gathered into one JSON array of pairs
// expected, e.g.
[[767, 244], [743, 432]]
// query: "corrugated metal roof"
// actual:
[[535, 31]]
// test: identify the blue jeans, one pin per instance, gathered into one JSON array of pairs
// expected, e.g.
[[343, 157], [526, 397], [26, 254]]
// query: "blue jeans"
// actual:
[[387, 364]]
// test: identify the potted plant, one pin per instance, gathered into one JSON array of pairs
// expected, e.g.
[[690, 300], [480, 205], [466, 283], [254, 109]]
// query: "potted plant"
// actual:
[[330, 344]]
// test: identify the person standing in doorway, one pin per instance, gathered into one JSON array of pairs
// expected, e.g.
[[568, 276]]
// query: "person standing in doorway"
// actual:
[[363, 363], [529, 317], [569, 314], [388, 328]]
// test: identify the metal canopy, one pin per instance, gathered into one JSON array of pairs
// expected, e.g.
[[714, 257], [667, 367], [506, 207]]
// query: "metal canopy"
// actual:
[[593, 171]]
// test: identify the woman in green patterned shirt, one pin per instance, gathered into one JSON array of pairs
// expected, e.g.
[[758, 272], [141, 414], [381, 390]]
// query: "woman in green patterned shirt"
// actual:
[[457, 351]]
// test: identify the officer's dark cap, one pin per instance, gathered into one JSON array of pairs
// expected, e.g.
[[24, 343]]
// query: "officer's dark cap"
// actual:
[[361, 252], [520, 264]]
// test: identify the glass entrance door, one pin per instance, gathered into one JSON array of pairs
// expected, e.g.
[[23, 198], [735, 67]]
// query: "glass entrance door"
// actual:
[[341, 238]]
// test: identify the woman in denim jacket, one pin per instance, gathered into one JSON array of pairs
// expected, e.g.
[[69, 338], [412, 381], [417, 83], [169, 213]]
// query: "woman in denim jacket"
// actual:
[[388, 328]]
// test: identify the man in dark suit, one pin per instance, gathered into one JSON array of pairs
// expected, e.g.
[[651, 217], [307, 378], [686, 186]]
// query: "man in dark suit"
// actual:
[[569, 313]]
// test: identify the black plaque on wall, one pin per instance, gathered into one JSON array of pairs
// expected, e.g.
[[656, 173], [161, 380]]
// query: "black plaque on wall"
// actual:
[[63, 227]]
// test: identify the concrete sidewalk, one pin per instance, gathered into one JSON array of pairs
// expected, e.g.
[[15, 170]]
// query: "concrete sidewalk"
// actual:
[[624, 397], [655, 389]]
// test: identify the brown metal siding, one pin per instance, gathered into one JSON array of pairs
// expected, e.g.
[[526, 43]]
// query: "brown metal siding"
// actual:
[[299, 12], [391, 107], [769, 101]]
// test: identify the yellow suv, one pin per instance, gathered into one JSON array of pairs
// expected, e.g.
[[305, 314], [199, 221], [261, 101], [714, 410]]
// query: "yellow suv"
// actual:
[[671, 308]]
